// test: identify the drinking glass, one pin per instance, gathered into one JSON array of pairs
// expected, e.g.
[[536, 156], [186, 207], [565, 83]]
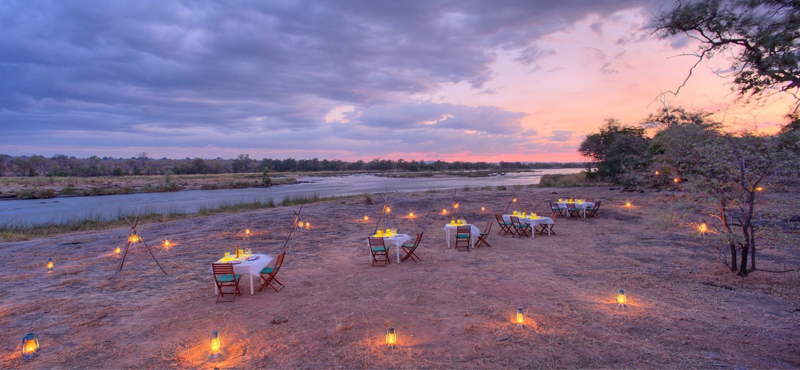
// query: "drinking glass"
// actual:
[[248, 252]]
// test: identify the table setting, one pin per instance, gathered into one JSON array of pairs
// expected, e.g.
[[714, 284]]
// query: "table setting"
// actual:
[[531, 219], [454, 224], [390, 235], [245, 262]]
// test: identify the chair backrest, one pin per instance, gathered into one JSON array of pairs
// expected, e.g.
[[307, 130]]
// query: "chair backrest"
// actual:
[[222, 269], [279, 262], [419, 239], [515, 220], [554, 216], [376, 242], [571, 205], [463, 230], [554, 206], [499, 218], [488, 227]]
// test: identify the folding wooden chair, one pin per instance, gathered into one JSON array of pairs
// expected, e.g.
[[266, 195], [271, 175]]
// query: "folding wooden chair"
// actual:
[[573, 210], [484, 235], [463, 237], [543, 227], [557, 209], [409, 249], [268, 274], [225, 277], [522, 229], [505, 227], [592, 211], [380, 254]]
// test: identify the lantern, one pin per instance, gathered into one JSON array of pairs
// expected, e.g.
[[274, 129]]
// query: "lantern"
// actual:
[[134, 238], [49, 265], [628, 204], [677, 180], [520, 317], [514, 200], [30, 346], [391, 338], [456, 205], [247, 232], [411, 215], [300, 224], [388, 210], [366, 218], [657, 173], [622, 300], [760, 188], [703, 228], [216, 344], [483, 209], [117, 251], [444, 211], [307, 224]]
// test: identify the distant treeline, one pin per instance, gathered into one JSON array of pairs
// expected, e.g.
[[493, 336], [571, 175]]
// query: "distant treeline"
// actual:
[[62, 165]]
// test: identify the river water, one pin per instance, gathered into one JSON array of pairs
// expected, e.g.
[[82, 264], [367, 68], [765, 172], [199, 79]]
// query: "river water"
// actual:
[[59, 210]]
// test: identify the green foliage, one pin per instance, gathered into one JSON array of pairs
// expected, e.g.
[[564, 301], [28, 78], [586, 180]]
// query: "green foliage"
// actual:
[[619, 151], [760, 38], [265, 178]]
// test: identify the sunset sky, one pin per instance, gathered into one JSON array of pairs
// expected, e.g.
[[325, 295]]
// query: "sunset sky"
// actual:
[[452, 80]]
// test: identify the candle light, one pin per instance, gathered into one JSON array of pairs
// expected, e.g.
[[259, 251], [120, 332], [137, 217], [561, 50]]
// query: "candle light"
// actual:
[[49, 265], [622, 300], [391, 338], [30, 346], [520, 317], [216, 345]]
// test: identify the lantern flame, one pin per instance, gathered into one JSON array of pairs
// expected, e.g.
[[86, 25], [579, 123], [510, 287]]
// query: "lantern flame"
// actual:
[[134, 238], [483, 209], [760, 189], [703, 228], [628, 204], [30, 346], [366, 218], [247, 232], [49, 265], [444, 211], [515, 199], [657, 173], [391, 338], [677, 180], [622, 300], [216, 344], [411, 215], [388, 210], [520, 317], [456, 205], [117, 251]]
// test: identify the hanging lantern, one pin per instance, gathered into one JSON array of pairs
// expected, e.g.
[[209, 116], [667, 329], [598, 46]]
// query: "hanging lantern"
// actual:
[[391, 338], [134, 238], [300, 224], [622, 300], [520, 317], [49, 265], [456, 205], [388, 210], [514, 200], [30, 346], [216, 345]]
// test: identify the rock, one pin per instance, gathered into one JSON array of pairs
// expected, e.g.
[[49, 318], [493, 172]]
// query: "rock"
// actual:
[[279, 320]]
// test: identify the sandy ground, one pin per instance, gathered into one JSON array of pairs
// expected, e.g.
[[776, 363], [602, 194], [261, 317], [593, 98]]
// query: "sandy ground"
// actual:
[[451, 310]]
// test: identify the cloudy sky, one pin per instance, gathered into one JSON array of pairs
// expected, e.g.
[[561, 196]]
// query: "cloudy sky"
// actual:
[[455, 80]]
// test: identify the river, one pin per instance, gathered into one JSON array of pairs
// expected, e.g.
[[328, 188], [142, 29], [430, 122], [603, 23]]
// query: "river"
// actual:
[[61, 210]]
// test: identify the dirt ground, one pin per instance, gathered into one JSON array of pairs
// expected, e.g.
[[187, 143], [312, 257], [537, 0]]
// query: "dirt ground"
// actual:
[[451, 310]]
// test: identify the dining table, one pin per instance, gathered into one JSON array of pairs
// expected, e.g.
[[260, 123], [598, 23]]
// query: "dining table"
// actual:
[[397, 239], [582, 205], [474, 230], [533, 222], [246, 265]]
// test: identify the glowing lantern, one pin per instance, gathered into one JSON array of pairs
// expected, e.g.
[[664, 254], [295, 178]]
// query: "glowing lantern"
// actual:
[[456, 205], [703, 228], [117, 251], [247, 232], [366, 218], [760, 188], [307, 224], [49, 265], [134, 238], [388, 210], [483, 209], [628, 204], [520, 317], [30, 346], [216, 344], [677, 180], [657, 173], [444, 211], [300, 224], [391, 338], [411, 215], [515, 199], [621, 299]]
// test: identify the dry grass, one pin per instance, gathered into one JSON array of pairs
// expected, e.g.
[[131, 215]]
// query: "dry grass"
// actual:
[[451, 310]]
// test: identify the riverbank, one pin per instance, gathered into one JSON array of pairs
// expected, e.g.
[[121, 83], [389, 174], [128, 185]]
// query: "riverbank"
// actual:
[[450, 310]]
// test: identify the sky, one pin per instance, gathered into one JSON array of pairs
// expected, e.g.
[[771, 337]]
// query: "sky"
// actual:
[[467, 80]]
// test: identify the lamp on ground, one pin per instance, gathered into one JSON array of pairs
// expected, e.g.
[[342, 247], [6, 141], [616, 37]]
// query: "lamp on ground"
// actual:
[[366, 218], [628, 204], [657, 173], [247, 232], [117, 251], [49, 265], [216, 345], [483, 209], [622, 299], [30, 346], [677, 180], [444, 211], [391, 338], [520, 317], [703, 228]]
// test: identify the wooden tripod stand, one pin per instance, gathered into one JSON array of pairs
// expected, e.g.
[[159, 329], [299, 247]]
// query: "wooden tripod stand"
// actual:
[[133, 239]]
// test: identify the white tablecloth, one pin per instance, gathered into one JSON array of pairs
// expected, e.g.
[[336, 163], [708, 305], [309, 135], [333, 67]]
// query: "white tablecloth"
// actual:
[[541, 220], [472, 230], [398, 240], [583, 206], [252, 268]]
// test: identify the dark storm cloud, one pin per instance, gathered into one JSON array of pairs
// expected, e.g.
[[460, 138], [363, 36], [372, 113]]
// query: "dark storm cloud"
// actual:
[[193, 68]]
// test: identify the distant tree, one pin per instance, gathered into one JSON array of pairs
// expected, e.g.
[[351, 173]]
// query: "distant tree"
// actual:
[[265, 178], [242, 163], [619, 151], [761, 38]]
